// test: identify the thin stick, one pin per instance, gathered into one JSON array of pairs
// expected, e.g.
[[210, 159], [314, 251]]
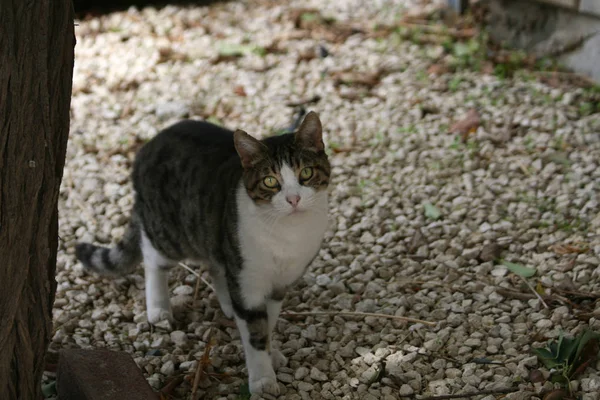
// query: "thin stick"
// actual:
[[357, 314], [534, 291], [197, 274], [470, 394]]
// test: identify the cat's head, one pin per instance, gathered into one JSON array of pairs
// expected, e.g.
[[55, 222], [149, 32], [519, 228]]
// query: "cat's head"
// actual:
[[289, 173]]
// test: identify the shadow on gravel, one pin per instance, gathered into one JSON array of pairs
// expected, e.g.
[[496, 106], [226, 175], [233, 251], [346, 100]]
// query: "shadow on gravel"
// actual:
[[96, 7]]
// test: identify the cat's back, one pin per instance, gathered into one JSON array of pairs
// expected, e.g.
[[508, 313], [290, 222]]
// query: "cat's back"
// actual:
[[191, 137], [186, 145]]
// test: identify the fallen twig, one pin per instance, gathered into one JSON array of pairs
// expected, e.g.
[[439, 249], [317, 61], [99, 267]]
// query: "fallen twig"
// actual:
[[539, 296], [167, 390], [204, 362], [470, 394], [198, 275], [356, 314], [314, 99]]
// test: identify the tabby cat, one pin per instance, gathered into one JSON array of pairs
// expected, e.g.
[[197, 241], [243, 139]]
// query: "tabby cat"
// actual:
[[255, 211]]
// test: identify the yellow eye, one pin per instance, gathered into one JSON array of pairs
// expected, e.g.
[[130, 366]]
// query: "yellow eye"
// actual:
[[270, 182], [306, 173]]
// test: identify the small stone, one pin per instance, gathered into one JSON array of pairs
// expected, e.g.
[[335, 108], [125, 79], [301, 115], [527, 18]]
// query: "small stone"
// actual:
[[406, 390], [179, 338], [323, 280], [318, 375], [472, 342], [470, 254], [100, 315], [370, 374], [184, 290], [168, 368], [367, 237], [544, 324], [171, 109], [305, 386], [301, 373], [285, 378], [590, 384]]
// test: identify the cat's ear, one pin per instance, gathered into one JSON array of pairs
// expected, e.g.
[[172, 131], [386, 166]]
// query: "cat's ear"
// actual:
[[248, 148], [310, 133]]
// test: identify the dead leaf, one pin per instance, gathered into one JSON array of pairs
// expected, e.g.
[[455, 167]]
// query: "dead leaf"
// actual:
[[306, 55], [536, 376], [369, 79], [225, 58], [575, 248], [438, 69], [467, 125], [240, 91], [490, 252], [166, 54], [556, 394], [488, 68]]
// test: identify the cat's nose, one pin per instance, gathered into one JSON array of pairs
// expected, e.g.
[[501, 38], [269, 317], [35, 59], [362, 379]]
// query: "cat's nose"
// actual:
[[293, 199]]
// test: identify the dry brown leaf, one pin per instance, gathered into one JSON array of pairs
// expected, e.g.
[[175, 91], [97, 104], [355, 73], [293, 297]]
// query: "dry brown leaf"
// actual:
[[225, 58], [166, 54], [369, 79], [467, 125], [556, 394], [240, 91], [490, 252], [488, 68], [438, 69], [306, 55], [575, 248]]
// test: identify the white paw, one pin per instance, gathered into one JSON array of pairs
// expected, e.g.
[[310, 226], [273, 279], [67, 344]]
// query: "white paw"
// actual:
[[278, 359], [156, 315], [264, 385]]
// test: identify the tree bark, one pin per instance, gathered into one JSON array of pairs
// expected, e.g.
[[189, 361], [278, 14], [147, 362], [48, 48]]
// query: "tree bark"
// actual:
[[36, 70]]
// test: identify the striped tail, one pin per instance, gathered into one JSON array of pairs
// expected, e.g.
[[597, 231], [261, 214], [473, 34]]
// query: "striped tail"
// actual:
[[118, 260]]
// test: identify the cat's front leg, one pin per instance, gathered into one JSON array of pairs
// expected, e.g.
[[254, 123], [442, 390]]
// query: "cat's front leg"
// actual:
[[273, 311], [254, 330]]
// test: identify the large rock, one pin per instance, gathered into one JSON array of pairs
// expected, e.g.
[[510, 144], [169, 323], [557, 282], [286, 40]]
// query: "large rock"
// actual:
[[571, 34]]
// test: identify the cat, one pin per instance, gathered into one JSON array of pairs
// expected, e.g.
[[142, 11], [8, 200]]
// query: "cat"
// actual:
[[255, 211]]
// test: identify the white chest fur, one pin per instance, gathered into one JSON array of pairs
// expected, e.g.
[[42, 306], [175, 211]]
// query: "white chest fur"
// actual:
[[276, 249]]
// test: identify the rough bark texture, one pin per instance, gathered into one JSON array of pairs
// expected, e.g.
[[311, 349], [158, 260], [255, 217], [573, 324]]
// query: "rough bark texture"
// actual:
[[36, 69]]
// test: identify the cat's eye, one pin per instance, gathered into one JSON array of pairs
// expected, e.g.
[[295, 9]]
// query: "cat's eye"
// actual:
[[271, 182], [306, 173]]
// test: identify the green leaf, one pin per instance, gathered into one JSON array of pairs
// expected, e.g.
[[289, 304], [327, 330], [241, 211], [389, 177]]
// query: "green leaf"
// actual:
[[431, 211], [214, 120], [244, 392], [588, 341], [547, 358], [525, 272], [309, 17], [49, 389], [567, 349]]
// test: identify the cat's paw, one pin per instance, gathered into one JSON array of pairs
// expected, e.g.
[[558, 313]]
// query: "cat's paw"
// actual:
[[278, 359], [156, 315], [264, 385]]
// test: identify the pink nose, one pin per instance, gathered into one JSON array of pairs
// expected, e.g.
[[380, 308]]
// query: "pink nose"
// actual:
[[293, 199]]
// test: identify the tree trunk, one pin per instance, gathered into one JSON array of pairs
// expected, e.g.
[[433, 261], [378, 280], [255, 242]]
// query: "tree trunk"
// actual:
[[36, 70]]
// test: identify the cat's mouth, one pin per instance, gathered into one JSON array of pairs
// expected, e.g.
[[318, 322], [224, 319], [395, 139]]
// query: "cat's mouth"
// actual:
[[296, 211]]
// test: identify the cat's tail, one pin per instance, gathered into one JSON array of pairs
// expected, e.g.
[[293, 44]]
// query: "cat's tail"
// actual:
[[118, 260]]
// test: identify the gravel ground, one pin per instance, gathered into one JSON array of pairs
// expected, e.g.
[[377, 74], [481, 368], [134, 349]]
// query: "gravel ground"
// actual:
[[412, 206]]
